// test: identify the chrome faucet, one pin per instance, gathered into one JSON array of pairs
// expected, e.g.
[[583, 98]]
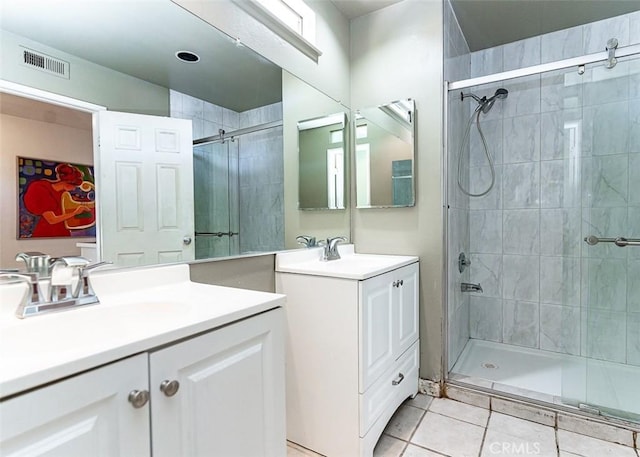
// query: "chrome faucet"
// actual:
[[468, 287], [330, 251], [307, 241], [63, 291]]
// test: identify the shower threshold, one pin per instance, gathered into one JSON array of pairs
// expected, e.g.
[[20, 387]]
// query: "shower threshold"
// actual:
[[551, 377]]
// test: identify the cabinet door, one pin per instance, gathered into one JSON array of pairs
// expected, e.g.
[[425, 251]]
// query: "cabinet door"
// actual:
[[230, 400], [86, 415], [376, 328], [406, 307]]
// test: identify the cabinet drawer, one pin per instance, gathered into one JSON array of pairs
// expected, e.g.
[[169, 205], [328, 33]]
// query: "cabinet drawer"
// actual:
[[384, 394]]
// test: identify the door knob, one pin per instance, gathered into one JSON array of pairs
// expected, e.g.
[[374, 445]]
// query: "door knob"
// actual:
[[186, 240], [169, 388], [138, 398]]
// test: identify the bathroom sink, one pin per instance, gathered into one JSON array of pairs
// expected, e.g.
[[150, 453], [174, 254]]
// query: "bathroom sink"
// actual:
[[351, 265]]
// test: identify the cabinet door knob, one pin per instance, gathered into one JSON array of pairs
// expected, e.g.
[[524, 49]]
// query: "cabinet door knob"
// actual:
[[402, 282], [138, 398], [394, 283], [398, 380], [169, 388]]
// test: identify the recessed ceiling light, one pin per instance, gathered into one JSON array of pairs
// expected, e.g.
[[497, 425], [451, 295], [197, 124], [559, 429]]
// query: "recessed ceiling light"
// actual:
[[188, 56]]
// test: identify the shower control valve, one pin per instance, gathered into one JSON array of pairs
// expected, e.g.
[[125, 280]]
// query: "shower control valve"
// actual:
[[463, 262]]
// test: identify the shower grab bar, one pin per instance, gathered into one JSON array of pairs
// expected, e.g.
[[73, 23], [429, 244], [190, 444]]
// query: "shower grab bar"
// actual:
[[620, 241], [218, 234]]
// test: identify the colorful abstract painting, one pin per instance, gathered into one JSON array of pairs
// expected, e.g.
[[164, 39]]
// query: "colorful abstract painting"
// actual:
[[55, 199]]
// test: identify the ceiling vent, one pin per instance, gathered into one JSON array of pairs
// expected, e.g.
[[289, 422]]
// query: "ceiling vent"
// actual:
[[43, 62]]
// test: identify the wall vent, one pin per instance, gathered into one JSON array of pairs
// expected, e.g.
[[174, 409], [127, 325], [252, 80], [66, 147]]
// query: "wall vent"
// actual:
[[43, 62]]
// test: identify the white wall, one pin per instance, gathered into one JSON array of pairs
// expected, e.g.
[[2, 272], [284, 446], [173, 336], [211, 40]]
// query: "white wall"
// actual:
[[397, 52], [88, 82], [41, 140], [301, 101]]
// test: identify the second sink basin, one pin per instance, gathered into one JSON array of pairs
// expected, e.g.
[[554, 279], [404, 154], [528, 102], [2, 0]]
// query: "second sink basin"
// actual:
[[350, 266]]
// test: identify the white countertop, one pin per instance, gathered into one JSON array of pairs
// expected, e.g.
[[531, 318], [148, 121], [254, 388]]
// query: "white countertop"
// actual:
[[138, 311], [351, 265]]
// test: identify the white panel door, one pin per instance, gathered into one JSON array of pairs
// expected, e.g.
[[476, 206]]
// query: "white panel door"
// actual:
[[407, 307], [86, 415], [376, 324], [145, 184], [230, 396]]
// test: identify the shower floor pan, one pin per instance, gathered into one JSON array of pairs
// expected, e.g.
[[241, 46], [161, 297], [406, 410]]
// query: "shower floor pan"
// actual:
[[551, 377]]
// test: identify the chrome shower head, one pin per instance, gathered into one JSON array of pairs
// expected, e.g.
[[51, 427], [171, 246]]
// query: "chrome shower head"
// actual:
[[487, 104], [501, 93]]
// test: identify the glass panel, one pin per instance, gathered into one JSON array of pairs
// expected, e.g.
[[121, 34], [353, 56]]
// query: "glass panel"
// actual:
[[606, 377], [215, 193], [533, 309]]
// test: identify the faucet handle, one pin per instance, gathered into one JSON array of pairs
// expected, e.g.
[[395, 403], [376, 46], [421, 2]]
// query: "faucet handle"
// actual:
[[73, 261], [333, 242], [31, 294], [85, 282]]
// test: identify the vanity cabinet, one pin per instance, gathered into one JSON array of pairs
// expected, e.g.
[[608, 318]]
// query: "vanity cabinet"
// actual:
[[87, 414], [228, 400], [352, 356], [388, 320]]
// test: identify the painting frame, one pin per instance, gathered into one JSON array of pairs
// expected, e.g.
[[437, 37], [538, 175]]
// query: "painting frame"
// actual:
[[55, 199]]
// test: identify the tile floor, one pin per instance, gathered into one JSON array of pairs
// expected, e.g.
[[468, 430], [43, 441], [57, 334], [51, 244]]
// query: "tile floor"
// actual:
[[436, 427]]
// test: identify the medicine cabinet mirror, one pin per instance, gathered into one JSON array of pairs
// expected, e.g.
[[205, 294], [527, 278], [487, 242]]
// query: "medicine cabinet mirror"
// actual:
[[385, 155], [321, 154]]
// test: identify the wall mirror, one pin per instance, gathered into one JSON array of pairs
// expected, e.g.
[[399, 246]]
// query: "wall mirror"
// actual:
[[122, 55], [322, 156], [385, 155]]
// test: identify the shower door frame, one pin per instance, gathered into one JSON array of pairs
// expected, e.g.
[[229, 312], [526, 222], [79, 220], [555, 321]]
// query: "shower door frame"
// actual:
[[449, 86]]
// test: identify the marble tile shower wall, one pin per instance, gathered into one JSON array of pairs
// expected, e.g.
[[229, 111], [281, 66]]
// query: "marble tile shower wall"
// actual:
[[241, 201], [457, 66], [261, 183], [567, 152]]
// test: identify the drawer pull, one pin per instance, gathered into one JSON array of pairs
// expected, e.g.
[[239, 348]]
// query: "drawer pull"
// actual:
[[398, 380]]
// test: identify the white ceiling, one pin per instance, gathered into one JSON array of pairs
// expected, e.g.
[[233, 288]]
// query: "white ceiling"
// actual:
[[141, 37], [356, 8], [14, 105], [488, 23]]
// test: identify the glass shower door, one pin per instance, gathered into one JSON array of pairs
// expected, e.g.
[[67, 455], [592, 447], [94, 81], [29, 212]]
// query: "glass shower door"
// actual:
[[216, 199], [604, 378]]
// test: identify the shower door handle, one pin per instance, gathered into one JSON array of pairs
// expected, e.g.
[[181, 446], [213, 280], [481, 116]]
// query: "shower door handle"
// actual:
[[620, 241]]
